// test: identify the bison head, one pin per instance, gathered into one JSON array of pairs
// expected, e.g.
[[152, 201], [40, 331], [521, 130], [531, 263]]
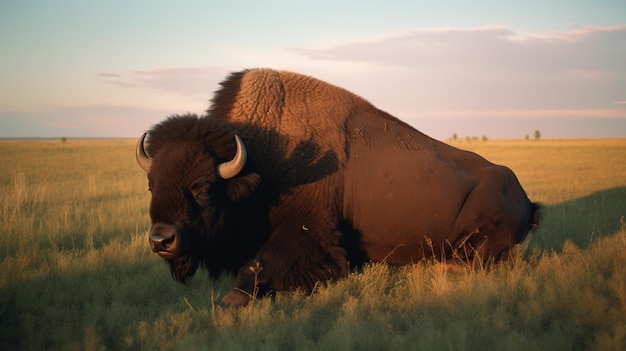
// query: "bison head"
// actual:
[[192, 192]]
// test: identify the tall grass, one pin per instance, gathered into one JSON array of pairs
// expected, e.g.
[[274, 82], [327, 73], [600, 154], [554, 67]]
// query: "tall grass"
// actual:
[[76, 271]]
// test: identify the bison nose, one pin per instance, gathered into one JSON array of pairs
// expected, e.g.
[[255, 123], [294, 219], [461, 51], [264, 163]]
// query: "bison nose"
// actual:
[[161, 243], [163, 238]]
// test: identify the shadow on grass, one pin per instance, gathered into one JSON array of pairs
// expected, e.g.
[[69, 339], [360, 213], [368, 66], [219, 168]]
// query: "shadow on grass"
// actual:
[[580, 221], [96, 308]]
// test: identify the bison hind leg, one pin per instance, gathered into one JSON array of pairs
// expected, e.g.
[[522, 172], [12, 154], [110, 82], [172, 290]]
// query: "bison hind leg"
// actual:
[[494, 216]]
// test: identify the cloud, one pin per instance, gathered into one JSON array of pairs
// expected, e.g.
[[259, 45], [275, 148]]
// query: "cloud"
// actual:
[[80, 121], [109, 75], [486, 47], [487, 68], [413, 48], [551, 113], [185, 81]]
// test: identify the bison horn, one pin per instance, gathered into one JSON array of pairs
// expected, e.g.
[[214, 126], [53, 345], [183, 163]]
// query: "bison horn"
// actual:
[[142, 159], [231, 168]]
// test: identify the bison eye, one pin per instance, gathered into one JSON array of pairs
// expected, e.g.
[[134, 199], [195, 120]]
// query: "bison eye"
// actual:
[[203, 198], [201, 194]]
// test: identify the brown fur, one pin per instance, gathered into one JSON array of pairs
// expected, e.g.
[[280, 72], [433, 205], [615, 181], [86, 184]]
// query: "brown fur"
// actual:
[[284, 103]]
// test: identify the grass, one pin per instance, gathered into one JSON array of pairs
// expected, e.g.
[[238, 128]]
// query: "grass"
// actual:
[[76, 271]]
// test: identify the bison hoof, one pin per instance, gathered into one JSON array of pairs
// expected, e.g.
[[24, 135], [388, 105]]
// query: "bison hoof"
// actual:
[[235, 298]]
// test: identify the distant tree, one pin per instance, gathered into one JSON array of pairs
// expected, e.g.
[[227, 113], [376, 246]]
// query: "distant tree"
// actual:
[[455, 137], [485, 138], [64, 139], [527, 137], [537, 135]]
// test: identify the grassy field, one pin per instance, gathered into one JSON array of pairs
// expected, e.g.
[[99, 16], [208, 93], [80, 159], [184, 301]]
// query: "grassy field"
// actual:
[[76, 272]]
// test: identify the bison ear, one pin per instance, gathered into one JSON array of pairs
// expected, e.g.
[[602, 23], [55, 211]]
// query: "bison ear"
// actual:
[[239, 188]]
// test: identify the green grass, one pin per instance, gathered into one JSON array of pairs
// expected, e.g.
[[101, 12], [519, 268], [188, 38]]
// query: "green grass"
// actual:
[[76, 272]]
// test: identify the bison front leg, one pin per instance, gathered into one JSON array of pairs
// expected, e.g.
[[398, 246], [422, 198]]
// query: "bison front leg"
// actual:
[[290, 261], [250, 284]]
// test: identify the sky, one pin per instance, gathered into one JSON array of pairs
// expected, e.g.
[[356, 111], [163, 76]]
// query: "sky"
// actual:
[[499, 69]]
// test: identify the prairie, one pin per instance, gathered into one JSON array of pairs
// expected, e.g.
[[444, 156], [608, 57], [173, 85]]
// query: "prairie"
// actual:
[[76, 271]]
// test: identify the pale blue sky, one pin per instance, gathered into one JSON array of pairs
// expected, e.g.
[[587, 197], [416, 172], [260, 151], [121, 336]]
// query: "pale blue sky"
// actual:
[[496, 68]]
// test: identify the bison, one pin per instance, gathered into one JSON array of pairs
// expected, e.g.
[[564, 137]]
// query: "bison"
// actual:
[[291, 182]]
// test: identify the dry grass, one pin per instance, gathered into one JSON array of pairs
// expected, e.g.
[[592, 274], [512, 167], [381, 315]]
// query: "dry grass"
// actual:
[[555, 171], [77, 272]]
